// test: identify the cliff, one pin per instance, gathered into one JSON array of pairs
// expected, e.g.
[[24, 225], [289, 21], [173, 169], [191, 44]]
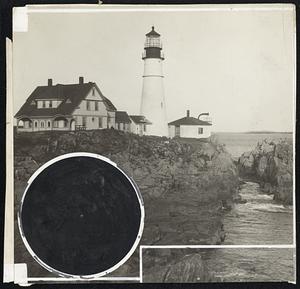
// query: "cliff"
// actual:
[[270, 164], [184, 183]]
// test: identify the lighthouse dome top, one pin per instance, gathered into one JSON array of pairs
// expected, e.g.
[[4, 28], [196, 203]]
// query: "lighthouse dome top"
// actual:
[[153, 33], [153, 46]]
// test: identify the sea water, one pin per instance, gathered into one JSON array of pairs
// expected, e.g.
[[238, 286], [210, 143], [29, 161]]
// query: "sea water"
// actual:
[[259, 221]]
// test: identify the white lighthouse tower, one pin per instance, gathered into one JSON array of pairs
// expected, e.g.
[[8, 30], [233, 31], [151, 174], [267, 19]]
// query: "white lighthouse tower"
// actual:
[[153, 105]]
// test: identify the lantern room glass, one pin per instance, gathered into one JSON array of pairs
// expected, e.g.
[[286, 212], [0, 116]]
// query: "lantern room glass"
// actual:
[[153, 42]]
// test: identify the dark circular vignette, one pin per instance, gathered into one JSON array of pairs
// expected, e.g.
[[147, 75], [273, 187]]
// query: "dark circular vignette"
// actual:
[[80, 216]]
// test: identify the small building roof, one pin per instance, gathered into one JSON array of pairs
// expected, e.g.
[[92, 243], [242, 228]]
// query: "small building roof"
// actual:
[[188, 120], [152, 33], [139, 119], [122, 117], [70, 94]]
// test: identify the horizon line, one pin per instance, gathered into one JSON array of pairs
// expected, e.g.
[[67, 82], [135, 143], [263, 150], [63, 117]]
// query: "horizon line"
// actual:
[[254, 131]]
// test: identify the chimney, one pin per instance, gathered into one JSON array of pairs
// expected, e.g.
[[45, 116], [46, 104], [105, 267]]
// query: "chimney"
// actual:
[[188, 113], [50, 82], [81, 80]]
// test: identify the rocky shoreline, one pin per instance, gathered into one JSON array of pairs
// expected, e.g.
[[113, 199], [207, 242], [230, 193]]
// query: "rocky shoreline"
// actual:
[[187, 185], [271, 165], [184, 184], [176, 266]]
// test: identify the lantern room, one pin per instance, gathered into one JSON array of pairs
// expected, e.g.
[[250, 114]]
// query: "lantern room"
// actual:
[[153, 45]]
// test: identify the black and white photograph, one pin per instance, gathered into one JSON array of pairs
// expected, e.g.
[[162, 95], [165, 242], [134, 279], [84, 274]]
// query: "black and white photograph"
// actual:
[[153, 143]]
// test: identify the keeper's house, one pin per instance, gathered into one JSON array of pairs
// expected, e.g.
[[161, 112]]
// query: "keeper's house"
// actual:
[[191, 127], [66, 107], [79, 106]]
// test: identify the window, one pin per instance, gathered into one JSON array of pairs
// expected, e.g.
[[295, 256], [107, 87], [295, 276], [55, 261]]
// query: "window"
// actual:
[[42, 124], [35, 124], [100, 122], [50, 103], [55, 103], [123, 126], [62, 123], [84, 120], [96, 105], [200, 130], [145, 127], [88, 105], [177, 130], [93, 91], [93, 119], [49, 124], [44, 103], [26, 124]]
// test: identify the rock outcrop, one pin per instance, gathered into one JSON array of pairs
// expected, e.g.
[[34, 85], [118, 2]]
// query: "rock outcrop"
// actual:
[[184, 184], [270, 164], [176, 266], [191, 268]]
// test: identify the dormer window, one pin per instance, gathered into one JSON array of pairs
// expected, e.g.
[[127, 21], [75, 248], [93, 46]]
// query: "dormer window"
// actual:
[[33, 103], [39, 104], [68, 101], [47, 103]]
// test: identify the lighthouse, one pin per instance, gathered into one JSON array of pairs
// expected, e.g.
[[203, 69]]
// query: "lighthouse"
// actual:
[[153, 105]]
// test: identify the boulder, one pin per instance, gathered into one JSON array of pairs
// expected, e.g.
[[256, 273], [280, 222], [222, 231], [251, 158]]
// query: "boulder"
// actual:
[[271, 165], [246, 164], [190, 269]]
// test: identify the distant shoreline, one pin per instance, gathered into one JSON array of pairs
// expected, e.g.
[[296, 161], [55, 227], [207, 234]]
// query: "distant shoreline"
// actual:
[[253, 132]]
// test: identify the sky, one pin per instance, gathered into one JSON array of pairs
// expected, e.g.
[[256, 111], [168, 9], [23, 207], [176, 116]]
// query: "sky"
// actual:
[[236, 65]]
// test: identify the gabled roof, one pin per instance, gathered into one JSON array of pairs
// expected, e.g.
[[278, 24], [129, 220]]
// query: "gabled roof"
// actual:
[[109, 105], [70, 94], [122, 117], [139, 119], [152, 33], [189, 121]]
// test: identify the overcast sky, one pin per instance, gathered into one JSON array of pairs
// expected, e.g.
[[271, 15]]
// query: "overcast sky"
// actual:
[[236, 65]]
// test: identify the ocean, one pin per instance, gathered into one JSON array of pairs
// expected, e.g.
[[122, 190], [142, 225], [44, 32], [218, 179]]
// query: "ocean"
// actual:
[[260, 221], [238, 143]]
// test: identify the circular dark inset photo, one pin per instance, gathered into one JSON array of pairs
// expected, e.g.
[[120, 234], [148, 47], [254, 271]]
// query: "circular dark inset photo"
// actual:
[[81, 215]]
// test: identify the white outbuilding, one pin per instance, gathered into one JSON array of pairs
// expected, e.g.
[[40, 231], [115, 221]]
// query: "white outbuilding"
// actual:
[[191, 127]]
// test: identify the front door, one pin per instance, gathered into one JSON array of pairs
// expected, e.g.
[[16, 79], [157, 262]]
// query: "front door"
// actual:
[[73, 124]]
